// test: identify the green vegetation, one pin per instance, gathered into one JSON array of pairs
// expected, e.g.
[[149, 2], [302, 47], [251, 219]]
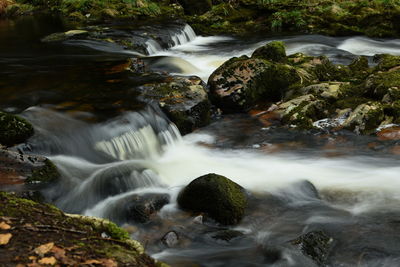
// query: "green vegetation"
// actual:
[[94, 9], [14, 129]]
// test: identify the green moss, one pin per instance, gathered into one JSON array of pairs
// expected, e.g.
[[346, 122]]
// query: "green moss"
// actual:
[[14, 129], [221, 198], [46, 174], [272, 83], [274, 51], [386, 62]]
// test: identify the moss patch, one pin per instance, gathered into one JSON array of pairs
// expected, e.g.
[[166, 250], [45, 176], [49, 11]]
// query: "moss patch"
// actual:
[[14, 129], [74, 240]]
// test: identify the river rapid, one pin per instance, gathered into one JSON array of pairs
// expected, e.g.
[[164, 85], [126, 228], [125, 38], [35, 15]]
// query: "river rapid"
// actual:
[[108, 154]]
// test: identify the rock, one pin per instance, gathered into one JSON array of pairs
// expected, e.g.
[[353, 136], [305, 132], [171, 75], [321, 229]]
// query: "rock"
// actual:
[[14, 129], [274, 51], [329, 90], [386, 62], [365, 118], [241, 82], [359, 64], [377, 85], [316, 245], [140, 208], [62, 36], [391, 133], [195, 7], [18, 168], [227, 235], [302, 111], [170, 239], [222, 199], [184, 100]]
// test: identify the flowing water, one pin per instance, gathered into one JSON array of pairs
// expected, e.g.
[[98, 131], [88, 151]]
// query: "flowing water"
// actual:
[[110, 155]]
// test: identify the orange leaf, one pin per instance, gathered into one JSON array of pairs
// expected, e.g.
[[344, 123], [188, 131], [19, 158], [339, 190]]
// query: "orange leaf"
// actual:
[[43, 249], [5, 238], [49, 260], [4, 226]]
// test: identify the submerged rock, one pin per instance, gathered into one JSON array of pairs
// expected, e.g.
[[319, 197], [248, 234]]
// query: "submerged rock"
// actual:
[[14, 129], [141, 207], [316, 245], [183, 99], [18, 168], [222, 199], [227, 235]]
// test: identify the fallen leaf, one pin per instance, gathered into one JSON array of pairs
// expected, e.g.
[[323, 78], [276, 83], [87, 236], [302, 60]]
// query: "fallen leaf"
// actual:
[[43, 249], [59, 253], [32, 258], [88, 262], [20, 265], [4, 226], [108, 263], [49, 260], [5, 238]]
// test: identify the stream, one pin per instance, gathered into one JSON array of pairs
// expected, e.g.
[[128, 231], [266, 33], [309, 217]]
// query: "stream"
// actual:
[[109, 154]]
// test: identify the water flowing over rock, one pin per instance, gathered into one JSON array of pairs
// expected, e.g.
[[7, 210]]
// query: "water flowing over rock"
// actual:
[[184, 100], [216, 195]]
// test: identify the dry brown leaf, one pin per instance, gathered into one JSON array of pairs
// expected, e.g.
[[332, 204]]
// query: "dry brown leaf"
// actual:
[[32, 258], [59, 253], [108, 263], [92, 262], [4, 226], [43, 249], [5, 238], [48, 260], [20, 265]]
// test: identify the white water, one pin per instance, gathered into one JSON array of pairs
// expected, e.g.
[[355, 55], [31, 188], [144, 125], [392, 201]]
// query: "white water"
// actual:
[[201, 55]]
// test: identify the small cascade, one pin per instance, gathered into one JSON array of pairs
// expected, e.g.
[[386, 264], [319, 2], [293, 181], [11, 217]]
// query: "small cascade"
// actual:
[[177, 37]]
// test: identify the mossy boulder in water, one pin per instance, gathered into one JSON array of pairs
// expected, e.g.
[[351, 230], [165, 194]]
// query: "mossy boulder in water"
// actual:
[[222, 199], [241, 82], [274, 51], [183, 99], [14, 129], [378, 84]]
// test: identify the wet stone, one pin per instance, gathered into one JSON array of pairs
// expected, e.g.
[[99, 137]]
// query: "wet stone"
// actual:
[[170, 239]]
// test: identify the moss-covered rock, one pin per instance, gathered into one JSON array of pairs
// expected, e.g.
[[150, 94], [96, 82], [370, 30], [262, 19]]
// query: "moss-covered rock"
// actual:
[[14, 129], [19, 168], [378, 84], [302, 111], [71, 240], [183, 99], [222, 199], [386, 61], [365, 118], [274, 51], [241, 82]]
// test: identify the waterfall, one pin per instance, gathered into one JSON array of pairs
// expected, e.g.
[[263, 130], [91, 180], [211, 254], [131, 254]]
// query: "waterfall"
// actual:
[[182, 36]]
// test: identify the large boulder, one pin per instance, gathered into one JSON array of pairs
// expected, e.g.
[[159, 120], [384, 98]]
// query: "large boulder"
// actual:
[[195, 7], [220, 198], [13, 129], [183, 99], [241, 82]]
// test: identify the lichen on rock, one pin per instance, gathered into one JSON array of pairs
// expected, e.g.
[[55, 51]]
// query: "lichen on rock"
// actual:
[[14, 129]]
